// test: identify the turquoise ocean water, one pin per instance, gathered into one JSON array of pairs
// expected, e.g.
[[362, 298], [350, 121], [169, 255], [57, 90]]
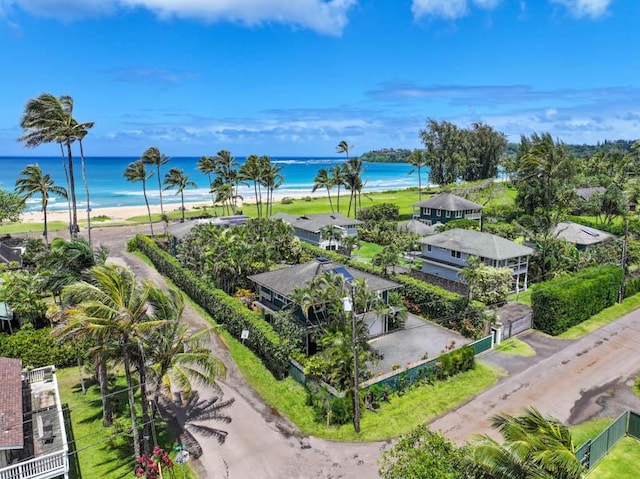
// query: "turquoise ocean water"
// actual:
[[108, 186]]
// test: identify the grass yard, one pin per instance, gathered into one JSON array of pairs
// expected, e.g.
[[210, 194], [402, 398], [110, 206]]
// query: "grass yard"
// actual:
[[366, 251], [581, 433], [603, 318], [621, 462], [523, 297], [102, 453], [515, 347]]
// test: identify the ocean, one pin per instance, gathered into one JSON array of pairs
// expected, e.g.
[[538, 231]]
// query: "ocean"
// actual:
[[108, 187]]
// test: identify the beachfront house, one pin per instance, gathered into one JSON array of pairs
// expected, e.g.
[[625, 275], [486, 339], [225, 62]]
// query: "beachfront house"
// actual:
[[275, 288], [581, 236], [310, 228], [446, 254], [33, 438], [445, 207]]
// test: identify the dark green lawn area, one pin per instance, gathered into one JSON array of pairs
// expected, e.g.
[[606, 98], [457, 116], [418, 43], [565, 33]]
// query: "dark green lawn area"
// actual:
[[102, 452], [623, 461]]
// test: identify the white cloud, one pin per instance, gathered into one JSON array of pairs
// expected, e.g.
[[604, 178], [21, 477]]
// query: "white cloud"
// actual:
[[449, 9], [327, 17], [585, 8]]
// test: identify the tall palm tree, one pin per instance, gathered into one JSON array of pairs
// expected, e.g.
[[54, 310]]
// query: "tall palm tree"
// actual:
[[177, 355], [253, 170], [272, 179], [49, 119], [387, 258], [418, 160], [33, 182], [111, 308], [82, 131], [323, 180], [337, 179], [207, 165], [331, 233], [534, 446], [177, 178], [353, 170], [135, 172], [344, 147], [152, 156], [227, 170], [223, 194]]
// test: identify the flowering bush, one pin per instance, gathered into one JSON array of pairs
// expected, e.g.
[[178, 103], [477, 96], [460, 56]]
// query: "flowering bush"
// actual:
[[150, 467]]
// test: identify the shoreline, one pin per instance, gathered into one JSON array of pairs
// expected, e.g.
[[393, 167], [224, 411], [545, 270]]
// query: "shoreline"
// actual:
[[123, 213]]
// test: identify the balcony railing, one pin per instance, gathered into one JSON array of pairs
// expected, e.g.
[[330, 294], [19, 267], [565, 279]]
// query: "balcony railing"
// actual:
[[51, 465]]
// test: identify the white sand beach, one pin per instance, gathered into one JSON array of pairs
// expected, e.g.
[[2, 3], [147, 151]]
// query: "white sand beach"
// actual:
[[122, 213]]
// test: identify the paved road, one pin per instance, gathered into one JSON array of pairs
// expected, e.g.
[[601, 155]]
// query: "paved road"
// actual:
[[576, 383]]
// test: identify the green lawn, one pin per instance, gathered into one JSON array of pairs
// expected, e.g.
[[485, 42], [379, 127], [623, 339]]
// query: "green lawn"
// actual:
[[523, 297], [588, 430], [603, 318], [515, 347], [101, 452], [366, 251], [621, 462]]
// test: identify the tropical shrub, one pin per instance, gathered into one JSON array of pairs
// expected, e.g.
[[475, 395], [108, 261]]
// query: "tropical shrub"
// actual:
[[37, 348], [632, 286], [568, 300], [379, 212], [262, 340]]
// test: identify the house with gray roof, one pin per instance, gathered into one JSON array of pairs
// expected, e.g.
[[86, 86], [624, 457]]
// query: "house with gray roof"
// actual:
[[33, 438], [579, 235], [445, 207], [446, 254], [275, 288], [309, 227], [418, 227], [587, 193]]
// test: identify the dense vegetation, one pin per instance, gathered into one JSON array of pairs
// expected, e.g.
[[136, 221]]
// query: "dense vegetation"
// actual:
[[387, 155]]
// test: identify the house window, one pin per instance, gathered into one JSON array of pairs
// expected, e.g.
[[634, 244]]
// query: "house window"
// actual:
[[458, 214], [428, 249], [448, 214], [455, 254], [437, 212], [427, 211]]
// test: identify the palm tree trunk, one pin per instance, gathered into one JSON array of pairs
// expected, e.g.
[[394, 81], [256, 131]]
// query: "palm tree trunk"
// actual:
[[72, 185], [86, 189], [213, 197], [330, 202], [160, 191], [338, 200], [66, 176], [132, 402], [104, 391], [182, 202], [419, 185], [146, 200], [44, 212], [144, 401]]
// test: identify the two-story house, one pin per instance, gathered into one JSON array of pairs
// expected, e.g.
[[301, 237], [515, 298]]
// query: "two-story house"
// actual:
[[309, 228], [275, 288], [33, 438], [445, 207], [446, 254]]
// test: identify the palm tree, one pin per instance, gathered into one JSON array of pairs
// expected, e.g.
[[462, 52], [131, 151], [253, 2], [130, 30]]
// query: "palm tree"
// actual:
[[178, 356], [534, 446], [323, 180], [180, 417], [152, 156], [418, 160], [226, 169], [207, 165], [111, 308], [223, 194], [349, 243], [344, 147], [253, 170], [337, 179], [134, 172], [49, 119], [272, 179], [353, 170], [34, 182], [387, 258], [176, 178], [331, 233]]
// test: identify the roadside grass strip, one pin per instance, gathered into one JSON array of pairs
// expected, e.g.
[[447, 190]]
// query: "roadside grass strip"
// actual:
[[620, 462], [515, 347], [603, 318]]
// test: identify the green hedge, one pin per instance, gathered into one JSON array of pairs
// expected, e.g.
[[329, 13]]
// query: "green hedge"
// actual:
[[448, 309], [632, 286], [568, 300], [262, 340], [37, 348]]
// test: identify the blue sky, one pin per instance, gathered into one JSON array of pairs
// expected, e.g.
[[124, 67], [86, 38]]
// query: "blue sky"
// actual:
[[294, 77]]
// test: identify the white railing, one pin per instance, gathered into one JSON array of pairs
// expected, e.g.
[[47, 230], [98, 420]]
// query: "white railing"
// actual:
[[38, 375], [473, 216], [45, 466]]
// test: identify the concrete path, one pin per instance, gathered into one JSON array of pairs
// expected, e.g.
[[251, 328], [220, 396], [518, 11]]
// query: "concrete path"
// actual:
[[570, 384]]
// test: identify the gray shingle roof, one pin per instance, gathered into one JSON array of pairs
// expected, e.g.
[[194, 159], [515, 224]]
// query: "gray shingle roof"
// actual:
[[580, 234], [587, 193], [477, 243], [314, 223], [448, 202], [417, 227], [284, 281]]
